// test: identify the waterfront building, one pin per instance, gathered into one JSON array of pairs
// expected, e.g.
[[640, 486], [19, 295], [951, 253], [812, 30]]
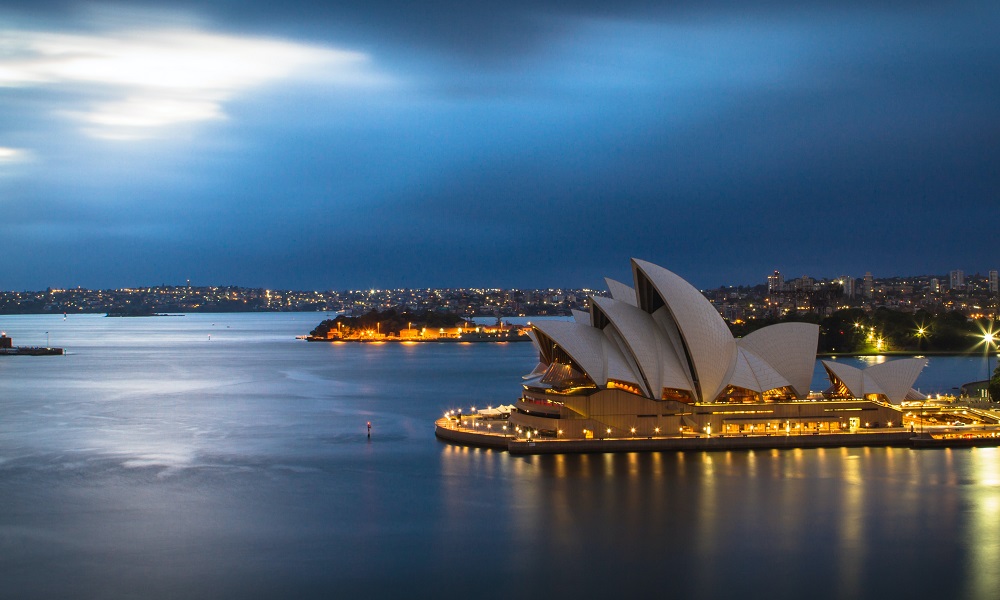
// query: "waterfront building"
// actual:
[[657, 358]]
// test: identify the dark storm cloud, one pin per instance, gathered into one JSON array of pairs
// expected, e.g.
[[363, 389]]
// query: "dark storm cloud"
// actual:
[[527, 143]]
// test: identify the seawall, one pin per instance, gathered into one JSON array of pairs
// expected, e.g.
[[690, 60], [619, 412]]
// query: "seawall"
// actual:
[[444, 430]]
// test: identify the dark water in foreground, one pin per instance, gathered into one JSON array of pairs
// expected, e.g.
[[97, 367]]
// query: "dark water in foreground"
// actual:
[[154, 463]]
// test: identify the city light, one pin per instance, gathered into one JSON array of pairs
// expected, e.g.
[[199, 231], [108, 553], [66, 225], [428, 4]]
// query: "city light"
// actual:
[[989, 338]]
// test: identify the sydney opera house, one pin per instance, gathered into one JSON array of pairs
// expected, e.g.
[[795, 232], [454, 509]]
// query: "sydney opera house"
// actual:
[[658, 359]]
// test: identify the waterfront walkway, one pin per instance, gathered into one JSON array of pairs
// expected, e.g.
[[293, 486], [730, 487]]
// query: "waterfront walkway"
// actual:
[[448, 430]]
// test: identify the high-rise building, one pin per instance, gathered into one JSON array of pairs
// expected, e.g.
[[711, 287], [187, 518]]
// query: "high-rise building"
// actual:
[[775, 282], [993, 282], [935, 286], [847, 284], [869, 285], [957, 281]]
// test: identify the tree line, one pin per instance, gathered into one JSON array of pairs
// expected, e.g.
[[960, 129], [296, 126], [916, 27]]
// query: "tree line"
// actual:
[[390, 321], [885, 330]]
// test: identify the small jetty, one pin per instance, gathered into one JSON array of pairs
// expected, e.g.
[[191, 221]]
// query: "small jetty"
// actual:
[[7, 348]]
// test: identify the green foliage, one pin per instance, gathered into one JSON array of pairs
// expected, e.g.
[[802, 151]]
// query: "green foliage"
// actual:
[[855, 331], [994, 386]]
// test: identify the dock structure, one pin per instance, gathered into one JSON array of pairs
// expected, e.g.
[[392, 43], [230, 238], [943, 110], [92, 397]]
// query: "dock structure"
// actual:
[[7, 348], [451, 431]]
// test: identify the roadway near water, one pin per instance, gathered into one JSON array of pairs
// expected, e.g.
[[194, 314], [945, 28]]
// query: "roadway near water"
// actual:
[[152, 462]]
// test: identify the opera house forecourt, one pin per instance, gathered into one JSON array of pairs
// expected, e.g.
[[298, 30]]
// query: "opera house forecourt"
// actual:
[[655, 366]]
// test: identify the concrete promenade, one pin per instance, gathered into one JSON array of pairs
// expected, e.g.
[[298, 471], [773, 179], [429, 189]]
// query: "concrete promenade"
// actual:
[[446, 430]]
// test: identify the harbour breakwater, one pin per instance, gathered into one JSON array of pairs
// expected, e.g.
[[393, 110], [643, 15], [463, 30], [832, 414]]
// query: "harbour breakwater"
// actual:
[[7, 348], [30, 351]]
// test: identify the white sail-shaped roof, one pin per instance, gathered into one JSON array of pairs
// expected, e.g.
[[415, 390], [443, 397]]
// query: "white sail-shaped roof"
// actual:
[[896, 377], [592, 352], [664, 334], [851, 377], [743, 375], [658, 362], [537, 372], [855, 379], [710, 345], [893, 379], [534, 341], [790, 348], [621, 292], [753, 373]]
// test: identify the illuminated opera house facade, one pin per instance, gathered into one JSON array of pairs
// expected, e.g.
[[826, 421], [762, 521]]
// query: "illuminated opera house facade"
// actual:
[[657, 359]]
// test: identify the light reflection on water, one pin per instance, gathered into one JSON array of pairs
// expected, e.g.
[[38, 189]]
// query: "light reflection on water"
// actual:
[[151, 462]]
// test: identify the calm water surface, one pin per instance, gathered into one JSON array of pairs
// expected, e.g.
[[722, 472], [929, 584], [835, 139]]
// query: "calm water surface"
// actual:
[[154, 462]]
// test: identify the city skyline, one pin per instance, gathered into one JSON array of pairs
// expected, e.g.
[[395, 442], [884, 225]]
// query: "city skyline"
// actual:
[[975, 297], [328, 145], [954, 279]]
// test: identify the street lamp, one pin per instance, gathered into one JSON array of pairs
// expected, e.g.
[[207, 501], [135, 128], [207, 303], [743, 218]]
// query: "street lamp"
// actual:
[[988, 339]]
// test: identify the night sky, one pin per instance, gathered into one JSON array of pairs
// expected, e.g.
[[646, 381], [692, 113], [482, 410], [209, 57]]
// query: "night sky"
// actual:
[[334, 145]]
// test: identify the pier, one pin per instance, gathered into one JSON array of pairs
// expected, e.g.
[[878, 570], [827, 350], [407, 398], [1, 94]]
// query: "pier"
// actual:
[[7, 348]]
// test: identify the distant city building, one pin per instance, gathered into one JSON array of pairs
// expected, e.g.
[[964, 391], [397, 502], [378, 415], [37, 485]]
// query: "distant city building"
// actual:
[[993, 282], [957, 281], [802, 284], [775, 282], [869, 285], [847, 285], [935, 286]]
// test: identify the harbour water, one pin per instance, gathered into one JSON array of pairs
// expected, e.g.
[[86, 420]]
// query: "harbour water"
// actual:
[[215, 456]]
